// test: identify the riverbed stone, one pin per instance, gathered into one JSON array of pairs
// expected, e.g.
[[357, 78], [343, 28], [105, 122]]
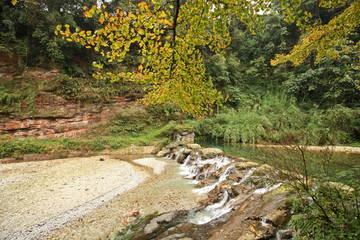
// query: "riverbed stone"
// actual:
[[163, 153], [279, 216], [181, 158], [246, 165], [184, 136], [154, 223], [187, 151], [193, 146], [210, 152]]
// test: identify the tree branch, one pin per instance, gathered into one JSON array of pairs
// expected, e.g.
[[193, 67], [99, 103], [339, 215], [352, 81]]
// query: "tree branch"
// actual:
[[177, 10]]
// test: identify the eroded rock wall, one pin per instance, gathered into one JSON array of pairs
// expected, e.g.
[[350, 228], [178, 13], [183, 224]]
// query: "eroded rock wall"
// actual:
[[55, 116]]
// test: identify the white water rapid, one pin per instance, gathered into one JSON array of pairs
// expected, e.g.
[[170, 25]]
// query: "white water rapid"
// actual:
[[198, 169]]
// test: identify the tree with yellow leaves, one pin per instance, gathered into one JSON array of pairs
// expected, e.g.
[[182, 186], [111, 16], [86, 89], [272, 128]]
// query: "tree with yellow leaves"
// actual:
[[322, 39], [170, 33]]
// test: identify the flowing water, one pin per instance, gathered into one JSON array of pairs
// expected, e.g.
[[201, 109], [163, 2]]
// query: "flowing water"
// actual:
[[198, 169]]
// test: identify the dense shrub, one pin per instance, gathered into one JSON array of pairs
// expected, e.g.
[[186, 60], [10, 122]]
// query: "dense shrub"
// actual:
[[277, 118]]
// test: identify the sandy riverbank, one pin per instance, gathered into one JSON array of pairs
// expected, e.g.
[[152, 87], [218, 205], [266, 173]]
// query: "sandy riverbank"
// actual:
[[37, 197], [85, 198]]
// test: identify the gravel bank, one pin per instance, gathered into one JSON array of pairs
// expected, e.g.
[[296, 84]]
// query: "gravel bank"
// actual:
[[38, 197], [86, 198], [159, 192]]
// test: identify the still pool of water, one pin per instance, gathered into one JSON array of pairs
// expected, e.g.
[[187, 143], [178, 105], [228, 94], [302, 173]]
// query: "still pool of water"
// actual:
[[338, 166]]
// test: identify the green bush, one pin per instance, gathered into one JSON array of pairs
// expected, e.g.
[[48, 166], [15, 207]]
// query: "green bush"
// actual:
[[116, 129], [7, 98], [97, 144], [278, 119], [14, 147], [325, 211], [68, 86]]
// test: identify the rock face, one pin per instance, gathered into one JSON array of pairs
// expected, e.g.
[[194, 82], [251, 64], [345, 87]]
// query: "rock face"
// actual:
[[58, 117], [245, 200], [184, 136]]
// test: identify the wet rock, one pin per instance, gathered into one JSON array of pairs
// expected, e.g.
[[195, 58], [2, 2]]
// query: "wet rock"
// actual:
[[163, 152], [177, 236], [152, 226], [264, 169], [285, 234], [246, 165], [205, 181], [279, 216], [210, 152], [187, 152], [156, 150], [181, 158], [172, 145], [238, 189]]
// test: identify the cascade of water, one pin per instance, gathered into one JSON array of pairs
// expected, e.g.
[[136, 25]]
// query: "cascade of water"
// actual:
[[247, 175], [190, 169], [211, 187], [264, 221], [179, 154], [198, 169], [280, 234], [211, 212], [267, 189]]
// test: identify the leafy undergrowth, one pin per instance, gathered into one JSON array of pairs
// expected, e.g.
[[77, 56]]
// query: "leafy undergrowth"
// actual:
[[279, 119], [136, 125]]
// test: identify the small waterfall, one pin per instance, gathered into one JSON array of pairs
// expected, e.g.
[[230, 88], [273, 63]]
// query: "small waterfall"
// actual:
[[212, 211], [196, 168], [280, 234], [222, 178], [247, 175], [191, 168], [179, 154], [267, 189], [264, 221]]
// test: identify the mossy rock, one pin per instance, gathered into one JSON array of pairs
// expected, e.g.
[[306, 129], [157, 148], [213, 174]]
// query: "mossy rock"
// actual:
[[246, 165]]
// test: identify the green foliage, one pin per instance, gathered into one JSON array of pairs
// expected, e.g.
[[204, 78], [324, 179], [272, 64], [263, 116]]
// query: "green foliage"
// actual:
[[18, 97], [14, 147], [69, 86], [7, 99], [277, 118], [323, 209], [323, 39], [27, 31], [331, 82], [29, 95], [326, 212], [164, 112], [168, 36]]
